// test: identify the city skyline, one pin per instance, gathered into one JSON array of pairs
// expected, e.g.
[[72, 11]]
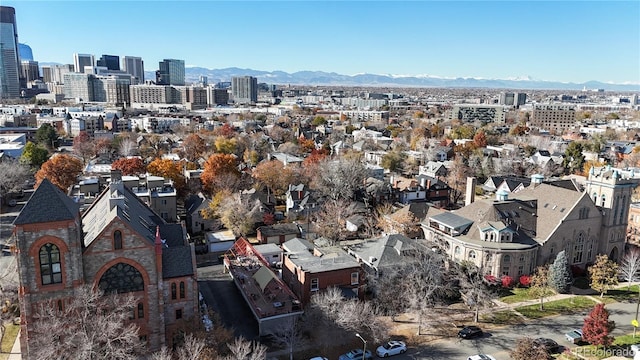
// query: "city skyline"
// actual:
[[553, 41]]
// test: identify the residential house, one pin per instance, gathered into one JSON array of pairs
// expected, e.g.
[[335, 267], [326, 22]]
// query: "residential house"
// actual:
[[300, 201], [437, 192], [277, 233], [118, 245], [197, 207], [307, 270], [383, 253], [434, 169]]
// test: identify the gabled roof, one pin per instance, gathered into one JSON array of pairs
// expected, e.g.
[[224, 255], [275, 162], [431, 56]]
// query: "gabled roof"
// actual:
[[385, 251], [47, 204], [177, 262], [118, 201]]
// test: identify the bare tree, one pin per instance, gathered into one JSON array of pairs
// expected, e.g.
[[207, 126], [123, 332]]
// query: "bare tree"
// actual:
[[9, 306], [127, 147], [239, 214], [344, 316], [630, 266], [242, 349], [289, 334], [526, 349], [13, 176], [331, 220], [475, 291], [340, 179], [91, 326]]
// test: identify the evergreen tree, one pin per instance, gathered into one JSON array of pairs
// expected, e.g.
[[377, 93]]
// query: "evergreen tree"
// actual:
[[560, 277], [597, 327]]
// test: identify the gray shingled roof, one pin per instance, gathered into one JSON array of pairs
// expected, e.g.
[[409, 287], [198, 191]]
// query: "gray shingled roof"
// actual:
[[385, 251], [177, 262], [47, 204], [333, 258], [118, 201]]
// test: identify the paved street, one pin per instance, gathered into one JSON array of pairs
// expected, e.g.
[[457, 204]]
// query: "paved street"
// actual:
[[500, 341]]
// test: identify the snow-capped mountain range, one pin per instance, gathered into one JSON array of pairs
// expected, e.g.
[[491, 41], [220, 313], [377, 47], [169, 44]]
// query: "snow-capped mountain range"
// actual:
[[192, 74]]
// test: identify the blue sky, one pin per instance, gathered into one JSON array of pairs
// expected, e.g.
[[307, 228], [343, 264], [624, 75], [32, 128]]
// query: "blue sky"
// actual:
[[573, 41]]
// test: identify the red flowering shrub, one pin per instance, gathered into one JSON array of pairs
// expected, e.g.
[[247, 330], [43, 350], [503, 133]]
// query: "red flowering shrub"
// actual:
[[525, 280], [507, 281]]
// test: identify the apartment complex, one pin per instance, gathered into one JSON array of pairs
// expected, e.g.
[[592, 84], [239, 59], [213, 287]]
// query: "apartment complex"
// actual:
[[553, 118], [478, 112]]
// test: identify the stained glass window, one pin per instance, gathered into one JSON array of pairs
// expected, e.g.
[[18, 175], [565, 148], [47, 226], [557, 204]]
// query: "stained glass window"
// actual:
[[121, 278]]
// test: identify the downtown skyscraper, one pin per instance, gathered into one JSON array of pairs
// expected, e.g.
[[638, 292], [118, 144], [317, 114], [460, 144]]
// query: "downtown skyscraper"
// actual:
[[9, 56], [171, 72]]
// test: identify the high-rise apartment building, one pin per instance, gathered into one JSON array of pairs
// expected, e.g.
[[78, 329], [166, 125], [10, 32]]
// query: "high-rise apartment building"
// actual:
[[29, 70], [150, 94], [170, 72], [244, 89], [111, 62], [217, 96], [135, 66], [82, 60], [9, 56], [112, 89]]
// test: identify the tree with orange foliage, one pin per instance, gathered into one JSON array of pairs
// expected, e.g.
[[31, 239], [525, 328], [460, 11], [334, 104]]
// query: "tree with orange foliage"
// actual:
[[61, 170], [217, 167], [225, 130], [306, 145], [168, 169], [129, 166], [480, 139], [274, 176], [193, 147], [315, 157]]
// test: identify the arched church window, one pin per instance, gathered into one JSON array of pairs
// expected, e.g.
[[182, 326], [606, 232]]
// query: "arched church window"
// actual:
[[117, 240], [121, 278], [50, 266]]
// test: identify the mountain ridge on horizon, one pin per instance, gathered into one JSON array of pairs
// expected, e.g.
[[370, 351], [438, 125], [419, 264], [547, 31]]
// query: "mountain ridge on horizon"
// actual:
[[309, 77]]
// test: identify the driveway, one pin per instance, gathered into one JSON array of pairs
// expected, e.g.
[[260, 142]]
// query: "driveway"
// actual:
[[222, 296]]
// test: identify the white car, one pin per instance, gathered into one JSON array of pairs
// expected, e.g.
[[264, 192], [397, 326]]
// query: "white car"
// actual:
[[481, 357], [391, 348]]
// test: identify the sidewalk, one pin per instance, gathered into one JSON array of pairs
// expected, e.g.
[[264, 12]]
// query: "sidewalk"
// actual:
[[15, 350]]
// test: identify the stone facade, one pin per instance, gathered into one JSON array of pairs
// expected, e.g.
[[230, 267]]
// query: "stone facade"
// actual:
[[109, 237]]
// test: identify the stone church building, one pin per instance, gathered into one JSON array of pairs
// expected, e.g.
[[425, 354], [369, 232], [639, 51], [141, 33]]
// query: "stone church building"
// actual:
[[513, 233], [118, 245]]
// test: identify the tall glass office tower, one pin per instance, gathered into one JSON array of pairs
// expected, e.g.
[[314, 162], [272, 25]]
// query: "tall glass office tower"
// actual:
[[9, 57]]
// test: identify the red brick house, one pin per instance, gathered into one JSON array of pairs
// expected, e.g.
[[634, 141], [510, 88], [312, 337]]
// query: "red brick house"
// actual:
[[308, 270]]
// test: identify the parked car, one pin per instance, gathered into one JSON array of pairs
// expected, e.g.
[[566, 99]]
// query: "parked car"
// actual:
[[391, 348], [470, 332], [550, 345], [574, 336], [481, 357], [356, 354], [318, 358]]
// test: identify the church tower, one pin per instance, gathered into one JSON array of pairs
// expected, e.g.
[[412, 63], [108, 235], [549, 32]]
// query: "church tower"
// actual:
[[611, 190], [48, 235]]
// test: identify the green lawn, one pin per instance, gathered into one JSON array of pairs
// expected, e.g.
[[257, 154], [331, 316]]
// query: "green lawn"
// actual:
[[622, 294], [517, 295], [565, 306]]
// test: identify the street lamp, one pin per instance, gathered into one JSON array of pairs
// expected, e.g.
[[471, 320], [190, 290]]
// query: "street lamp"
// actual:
[[364, 349]]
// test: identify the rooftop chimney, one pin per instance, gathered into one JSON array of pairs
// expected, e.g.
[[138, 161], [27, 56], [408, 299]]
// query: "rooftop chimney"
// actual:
[[470, 195]]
